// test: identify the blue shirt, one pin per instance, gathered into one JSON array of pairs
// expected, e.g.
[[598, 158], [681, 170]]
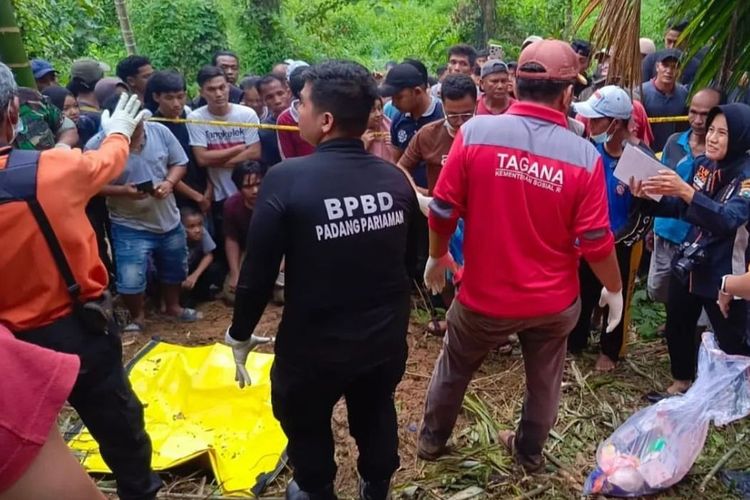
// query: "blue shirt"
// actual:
[[390, 110], [404, 127], [618, 194], [678, 156]]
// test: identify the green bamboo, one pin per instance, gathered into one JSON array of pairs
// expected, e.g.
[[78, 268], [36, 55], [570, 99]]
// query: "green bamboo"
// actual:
[[12, 52]]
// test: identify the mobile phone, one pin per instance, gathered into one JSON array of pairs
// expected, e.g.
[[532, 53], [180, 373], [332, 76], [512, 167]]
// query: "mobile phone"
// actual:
[[145, 187], [496, 52]]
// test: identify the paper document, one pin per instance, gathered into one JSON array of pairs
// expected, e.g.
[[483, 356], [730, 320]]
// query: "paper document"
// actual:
[[638, 165]]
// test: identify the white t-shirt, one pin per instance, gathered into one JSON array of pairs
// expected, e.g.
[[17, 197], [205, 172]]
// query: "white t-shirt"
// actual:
[[214, 137]]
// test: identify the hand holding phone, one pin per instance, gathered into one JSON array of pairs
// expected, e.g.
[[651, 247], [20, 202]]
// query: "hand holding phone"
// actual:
[[145, 187]]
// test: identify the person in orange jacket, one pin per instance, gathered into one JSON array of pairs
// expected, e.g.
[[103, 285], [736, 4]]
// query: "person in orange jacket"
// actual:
[[53, 291]]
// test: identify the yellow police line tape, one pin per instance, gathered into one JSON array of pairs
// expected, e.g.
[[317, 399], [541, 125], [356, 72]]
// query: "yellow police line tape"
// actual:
[[291, 128], [667, 119], [219, 123]]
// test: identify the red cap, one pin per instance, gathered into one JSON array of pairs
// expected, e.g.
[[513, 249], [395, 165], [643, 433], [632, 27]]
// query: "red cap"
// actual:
[[555, 56]]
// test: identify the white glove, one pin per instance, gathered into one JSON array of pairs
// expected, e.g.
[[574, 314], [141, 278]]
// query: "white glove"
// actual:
[[125, 117], [614, 301], [434, 272], [240, 350], [424, 203]]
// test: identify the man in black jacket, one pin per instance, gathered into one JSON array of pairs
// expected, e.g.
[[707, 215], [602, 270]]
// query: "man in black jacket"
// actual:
[[342, 218]]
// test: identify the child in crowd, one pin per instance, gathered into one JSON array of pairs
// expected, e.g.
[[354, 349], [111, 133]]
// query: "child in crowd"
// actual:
[[377, 137], [204, 275]]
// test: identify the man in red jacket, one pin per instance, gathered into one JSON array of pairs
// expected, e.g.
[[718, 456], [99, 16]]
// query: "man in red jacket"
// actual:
[[532, 195]]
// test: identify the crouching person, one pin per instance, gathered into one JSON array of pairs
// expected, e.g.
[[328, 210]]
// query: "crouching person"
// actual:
[[343, 329]]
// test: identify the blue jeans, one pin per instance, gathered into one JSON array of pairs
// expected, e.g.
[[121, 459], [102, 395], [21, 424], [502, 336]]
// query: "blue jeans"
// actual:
[[132, 248]]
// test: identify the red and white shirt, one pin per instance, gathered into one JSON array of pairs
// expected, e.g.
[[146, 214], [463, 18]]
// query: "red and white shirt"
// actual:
[[532, 196]]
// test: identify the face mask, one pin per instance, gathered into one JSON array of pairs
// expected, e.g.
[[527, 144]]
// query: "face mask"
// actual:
[[18, 129], [602, 138], [449, 128]]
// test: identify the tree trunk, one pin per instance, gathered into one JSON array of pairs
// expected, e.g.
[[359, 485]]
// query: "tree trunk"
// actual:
[[568, 29], [487, 23], [12, 52], [127, 33]]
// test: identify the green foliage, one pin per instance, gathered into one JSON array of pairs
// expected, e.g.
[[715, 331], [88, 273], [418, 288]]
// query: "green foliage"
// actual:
[[723, 27], [183, 34], [647, 316], [370, 32], [178, 34], [63, 30], [265, 40]]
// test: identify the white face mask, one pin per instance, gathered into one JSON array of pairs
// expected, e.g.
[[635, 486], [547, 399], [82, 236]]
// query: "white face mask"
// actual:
[[602, 138], [449, 128]]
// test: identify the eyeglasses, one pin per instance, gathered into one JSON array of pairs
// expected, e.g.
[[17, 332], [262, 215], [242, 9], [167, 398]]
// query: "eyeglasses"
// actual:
[[460, 116]]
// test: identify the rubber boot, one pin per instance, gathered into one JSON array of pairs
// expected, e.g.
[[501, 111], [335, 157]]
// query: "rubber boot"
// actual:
[[293, 492], [375, 490]]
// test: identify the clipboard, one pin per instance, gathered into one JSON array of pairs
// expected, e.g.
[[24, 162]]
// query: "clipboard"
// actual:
[[635, 163]]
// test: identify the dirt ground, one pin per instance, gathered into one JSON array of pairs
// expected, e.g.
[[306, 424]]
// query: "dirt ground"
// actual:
[[592, 406]]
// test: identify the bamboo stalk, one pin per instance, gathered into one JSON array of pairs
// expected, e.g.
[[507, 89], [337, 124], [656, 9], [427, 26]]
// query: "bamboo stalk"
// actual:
[[12, 51], [127, 33]]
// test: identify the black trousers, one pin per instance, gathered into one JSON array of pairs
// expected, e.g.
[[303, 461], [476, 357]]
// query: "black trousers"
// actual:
[[106, 403], [303, 398], [613, 343], [98, 215], [683, 311], [217, 219]]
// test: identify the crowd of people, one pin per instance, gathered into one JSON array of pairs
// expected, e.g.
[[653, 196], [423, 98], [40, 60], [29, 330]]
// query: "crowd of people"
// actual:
[[337, 190]]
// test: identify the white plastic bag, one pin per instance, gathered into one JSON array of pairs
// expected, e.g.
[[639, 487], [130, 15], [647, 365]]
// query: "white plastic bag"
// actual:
[[656, 446]]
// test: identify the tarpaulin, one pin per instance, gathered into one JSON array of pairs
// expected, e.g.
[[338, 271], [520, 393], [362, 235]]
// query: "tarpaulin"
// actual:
[[193, 406]]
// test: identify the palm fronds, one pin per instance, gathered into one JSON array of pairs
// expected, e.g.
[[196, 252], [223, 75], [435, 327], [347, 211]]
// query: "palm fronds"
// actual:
[[617, 28], [722, 27]]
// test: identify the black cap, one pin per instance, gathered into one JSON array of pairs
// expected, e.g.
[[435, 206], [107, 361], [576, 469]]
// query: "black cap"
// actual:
[[401, 76], [581, 47], [662, 55]]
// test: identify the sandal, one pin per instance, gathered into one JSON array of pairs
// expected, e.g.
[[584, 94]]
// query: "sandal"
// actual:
[[187, 315], [508, 440], [436, 327], [133, 327]]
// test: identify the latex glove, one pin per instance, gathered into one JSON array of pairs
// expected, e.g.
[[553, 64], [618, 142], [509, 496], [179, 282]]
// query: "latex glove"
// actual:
[[614, 301], [424, 203], [125, 117], [240, 351], [434, 272]]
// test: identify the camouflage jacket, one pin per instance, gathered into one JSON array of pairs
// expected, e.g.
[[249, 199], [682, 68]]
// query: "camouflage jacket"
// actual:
[[41, 121]]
